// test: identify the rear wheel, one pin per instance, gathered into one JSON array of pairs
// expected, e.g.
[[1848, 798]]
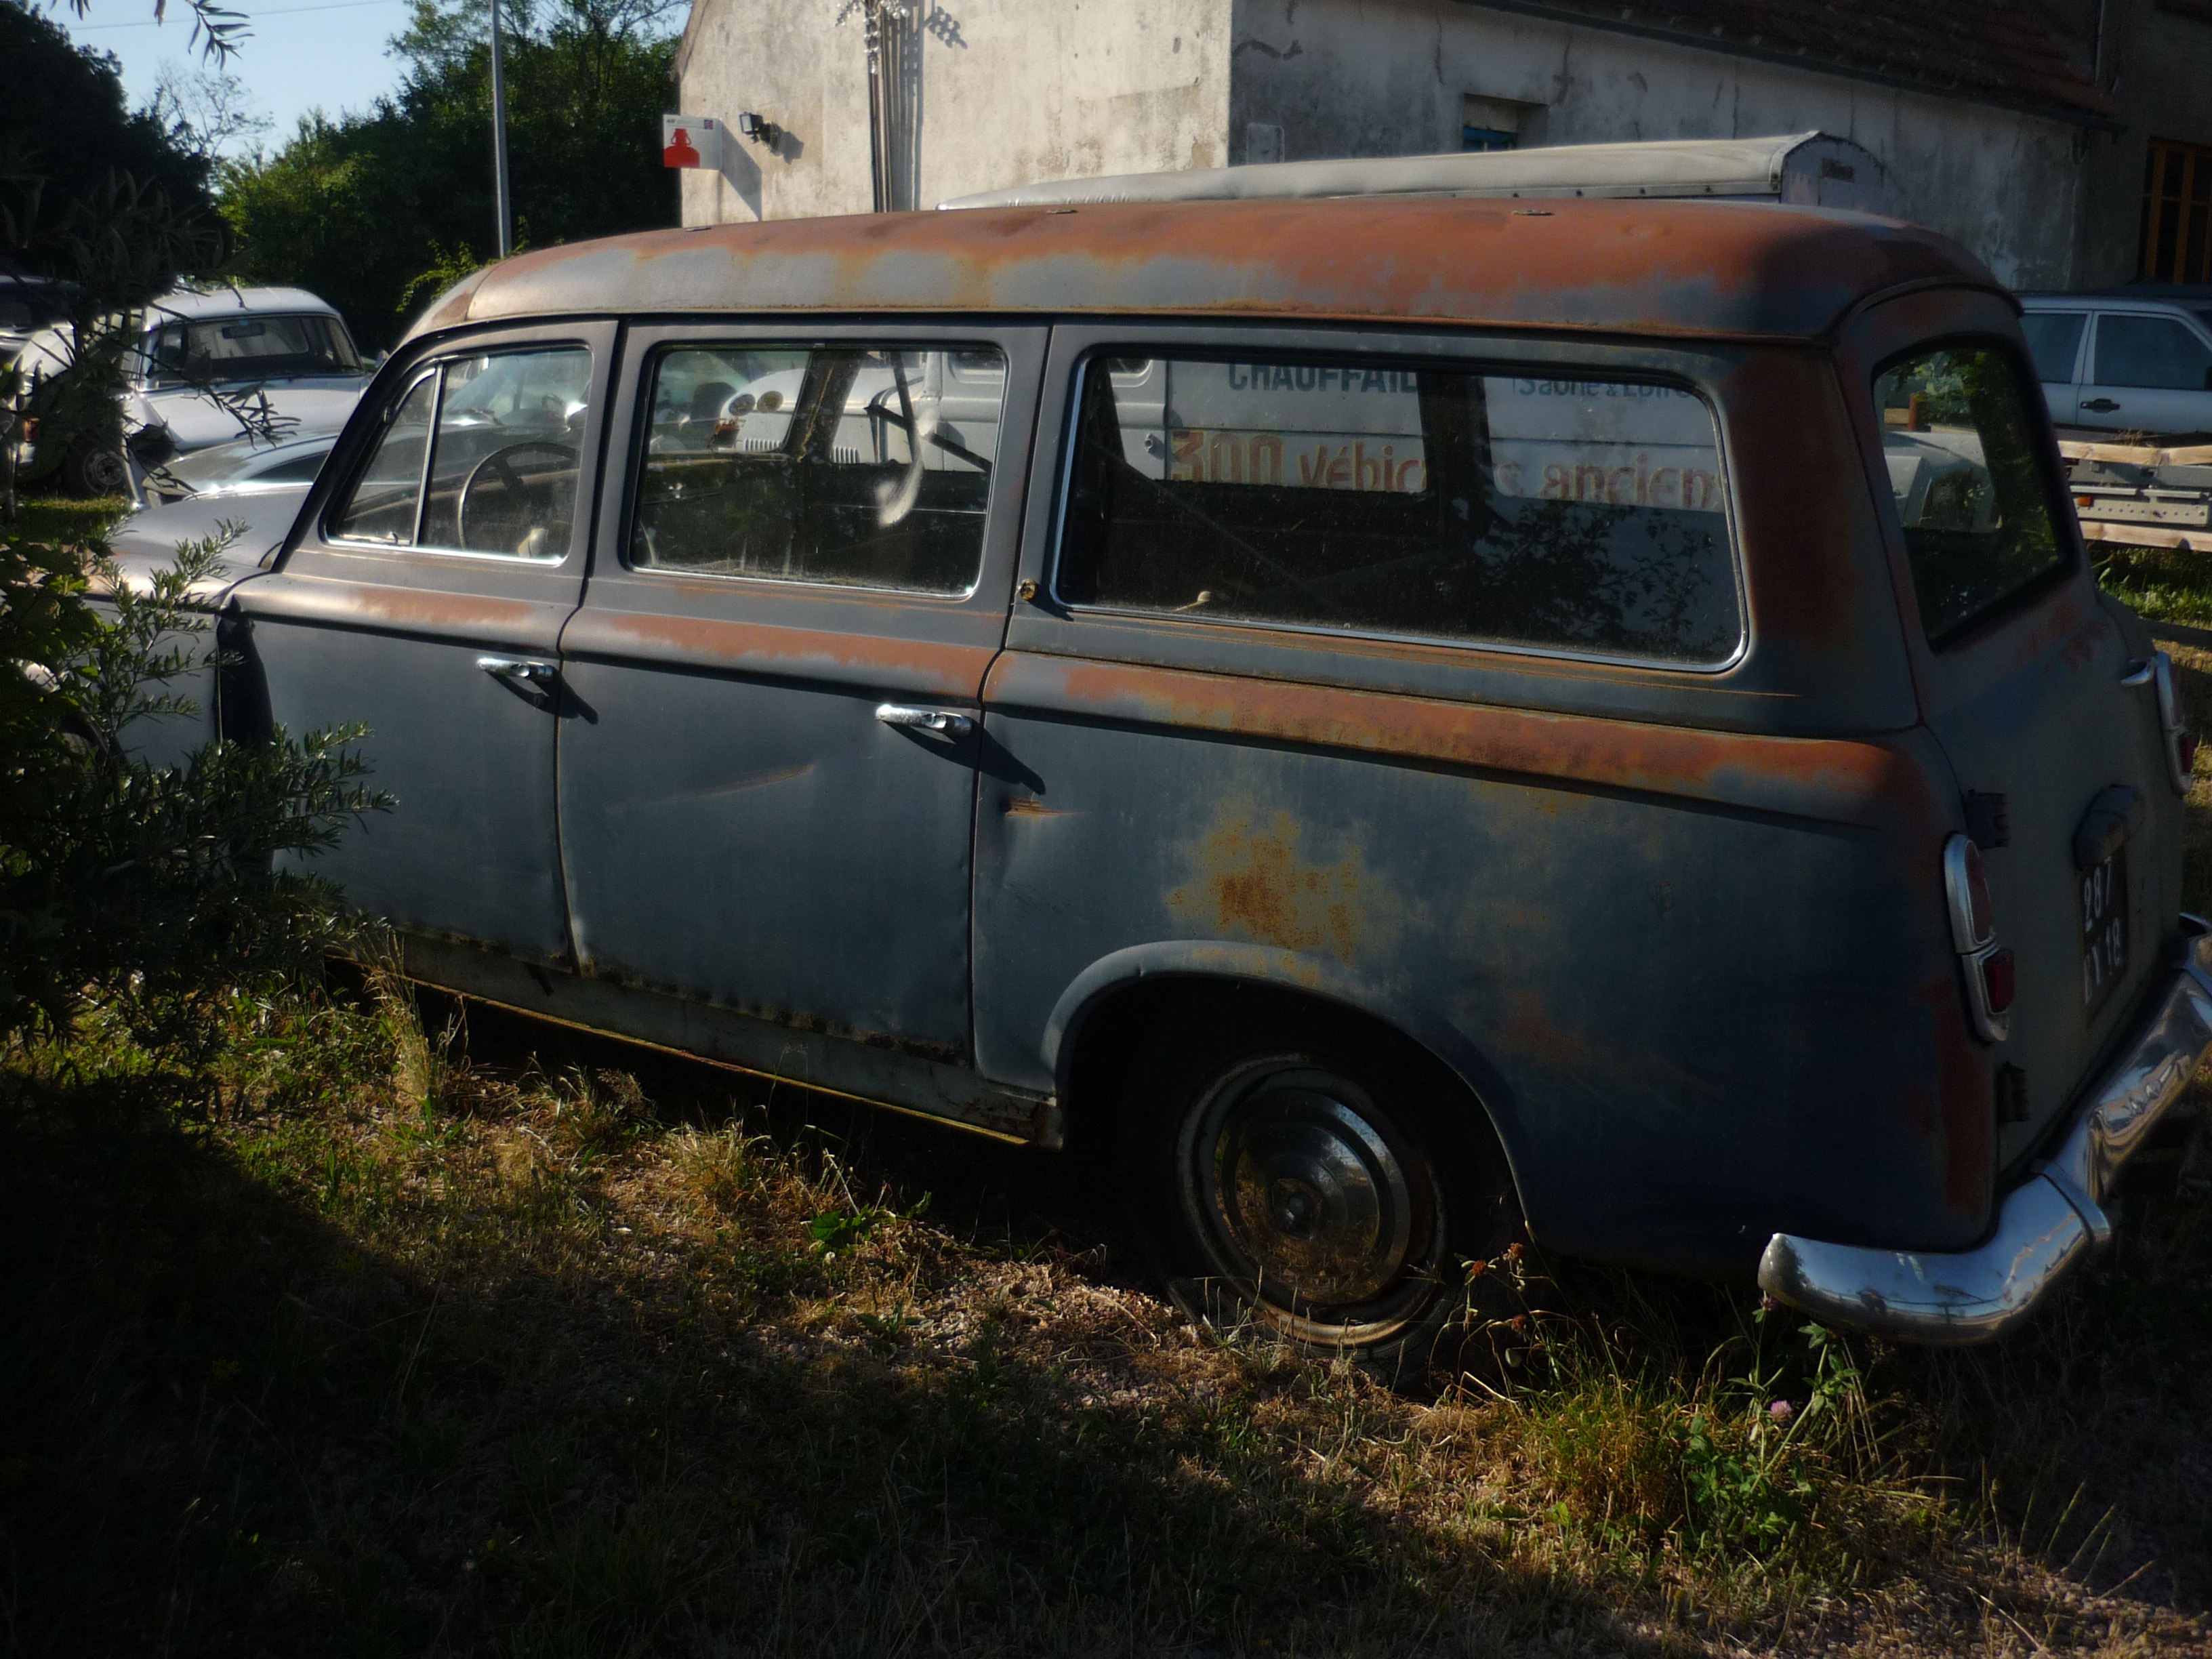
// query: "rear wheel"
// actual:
[[1305, 1176]]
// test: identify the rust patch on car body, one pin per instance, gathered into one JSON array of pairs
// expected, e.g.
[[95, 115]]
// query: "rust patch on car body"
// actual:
[[1836, 780], [1254, 882], [1673, 267], [421, 610], [916, 665]]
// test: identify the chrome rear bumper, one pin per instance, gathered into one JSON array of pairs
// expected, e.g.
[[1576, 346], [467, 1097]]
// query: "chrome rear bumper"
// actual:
[[2048, 1222]]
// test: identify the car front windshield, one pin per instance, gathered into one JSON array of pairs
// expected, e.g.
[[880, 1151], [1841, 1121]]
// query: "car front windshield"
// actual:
[[229, 349]]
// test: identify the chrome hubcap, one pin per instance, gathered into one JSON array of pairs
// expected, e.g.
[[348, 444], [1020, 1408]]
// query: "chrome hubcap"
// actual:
[[1299, 1193]]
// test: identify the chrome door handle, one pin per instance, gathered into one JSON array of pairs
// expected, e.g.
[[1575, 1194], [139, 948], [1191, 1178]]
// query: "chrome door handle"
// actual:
[[950, 722], [2101, 405], [2141, 671], [519, 668]]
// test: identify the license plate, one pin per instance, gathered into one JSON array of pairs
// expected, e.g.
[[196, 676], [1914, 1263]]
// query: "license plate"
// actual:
[[2104, 929]]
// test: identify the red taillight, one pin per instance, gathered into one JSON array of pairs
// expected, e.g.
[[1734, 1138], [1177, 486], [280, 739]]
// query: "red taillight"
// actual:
[[1998, 980], [2187, 743]]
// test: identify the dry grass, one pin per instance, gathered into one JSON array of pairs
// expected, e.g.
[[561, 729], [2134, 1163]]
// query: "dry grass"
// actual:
[[383, 1350]]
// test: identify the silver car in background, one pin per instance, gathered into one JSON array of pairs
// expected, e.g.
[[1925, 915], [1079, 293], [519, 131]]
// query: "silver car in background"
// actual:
[[2135, 360], [247, 467]]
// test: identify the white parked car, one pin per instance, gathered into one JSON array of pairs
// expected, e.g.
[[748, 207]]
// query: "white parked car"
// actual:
[[2132, 360], [27, 304], [281, 345]]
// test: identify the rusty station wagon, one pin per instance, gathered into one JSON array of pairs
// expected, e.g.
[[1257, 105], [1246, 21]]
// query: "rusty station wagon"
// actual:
[[1393, 722]]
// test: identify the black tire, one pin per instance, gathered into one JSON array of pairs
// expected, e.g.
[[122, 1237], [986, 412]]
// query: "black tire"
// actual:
[[93, 469], [1305, 1174]]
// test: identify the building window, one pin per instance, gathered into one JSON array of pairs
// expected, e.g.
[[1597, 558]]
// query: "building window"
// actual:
[[1492, 123], [2177, 213]]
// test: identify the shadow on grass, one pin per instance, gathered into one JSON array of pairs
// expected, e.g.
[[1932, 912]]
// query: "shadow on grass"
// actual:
[[232, 1428]]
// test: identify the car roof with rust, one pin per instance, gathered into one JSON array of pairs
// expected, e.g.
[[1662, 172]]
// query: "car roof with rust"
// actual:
[[1745, 269]]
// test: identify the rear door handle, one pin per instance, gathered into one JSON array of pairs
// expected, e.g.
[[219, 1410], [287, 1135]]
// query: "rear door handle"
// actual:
[[2100, 405], [950, 722], [536, 675]]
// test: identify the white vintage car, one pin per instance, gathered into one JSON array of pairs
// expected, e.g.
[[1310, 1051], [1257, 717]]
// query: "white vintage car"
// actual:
[[209, 366]]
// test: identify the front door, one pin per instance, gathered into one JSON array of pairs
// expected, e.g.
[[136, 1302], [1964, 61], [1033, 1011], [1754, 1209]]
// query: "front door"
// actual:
[[768, 802], [425, 600]]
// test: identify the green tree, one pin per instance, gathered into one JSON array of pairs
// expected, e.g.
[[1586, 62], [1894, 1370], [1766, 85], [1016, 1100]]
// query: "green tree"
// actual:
[[376, 211], [68, 137], [152, 888]]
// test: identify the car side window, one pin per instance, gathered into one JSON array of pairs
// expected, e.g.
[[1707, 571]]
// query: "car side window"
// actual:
[[2154, 353], [1972, 489], [504, 431], [386, 501], [2054, 340], [853, 465], [1531, 510]]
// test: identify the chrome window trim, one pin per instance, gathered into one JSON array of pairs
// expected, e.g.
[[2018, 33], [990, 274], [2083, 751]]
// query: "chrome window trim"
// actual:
[[1073, 431], [648, 372], [433, 370], [435, 366]]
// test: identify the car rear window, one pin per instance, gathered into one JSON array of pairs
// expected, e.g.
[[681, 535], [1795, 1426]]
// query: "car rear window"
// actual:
[[251, 347], [1541, 510], [1972, 487]]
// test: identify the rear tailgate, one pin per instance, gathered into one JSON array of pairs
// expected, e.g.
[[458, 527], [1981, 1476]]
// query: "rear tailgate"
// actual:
[[2045, 698]]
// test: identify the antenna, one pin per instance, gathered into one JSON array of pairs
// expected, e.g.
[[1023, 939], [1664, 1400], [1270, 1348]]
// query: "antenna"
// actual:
[[501, 205]]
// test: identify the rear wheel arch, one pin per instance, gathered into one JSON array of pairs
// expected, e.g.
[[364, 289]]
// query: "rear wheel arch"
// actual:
[[1093, 1043], [1285, 1156]]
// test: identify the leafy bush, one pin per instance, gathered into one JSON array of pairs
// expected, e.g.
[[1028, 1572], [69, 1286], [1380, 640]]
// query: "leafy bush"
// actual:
[[149, 888]]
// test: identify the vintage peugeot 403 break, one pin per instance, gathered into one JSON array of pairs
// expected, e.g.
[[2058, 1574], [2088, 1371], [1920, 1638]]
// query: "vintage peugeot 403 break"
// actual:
[[1398, 722]]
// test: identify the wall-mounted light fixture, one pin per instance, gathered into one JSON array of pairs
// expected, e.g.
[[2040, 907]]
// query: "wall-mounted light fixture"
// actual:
[[751, 125]]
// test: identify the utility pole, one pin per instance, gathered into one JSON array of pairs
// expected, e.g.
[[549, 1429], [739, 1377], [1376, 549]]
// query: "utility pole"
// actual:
[[499, 141]]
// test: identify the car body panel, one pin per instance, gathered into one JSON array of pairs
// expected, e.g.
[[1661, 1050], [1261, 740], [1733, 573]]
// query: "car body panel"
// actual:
[[1615, 267], [1538, 830]]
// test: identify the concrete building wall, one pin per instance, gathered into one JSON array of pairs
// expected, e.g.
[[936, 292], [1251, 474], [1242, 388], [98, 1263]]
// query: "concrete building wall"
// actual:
[[1004, 92], [2157, 64], [1000, 92], [1387, 77]]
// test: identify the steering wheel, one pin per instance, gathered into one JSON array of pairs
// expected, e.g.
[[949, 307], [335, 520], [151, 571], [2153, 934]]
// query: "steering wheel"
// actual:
[[500, 465]]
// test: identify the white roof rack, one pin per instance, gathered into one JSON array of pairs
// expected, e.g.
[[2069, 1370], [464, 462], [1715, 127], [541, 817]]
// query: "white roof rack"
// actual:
[[1811, 168]]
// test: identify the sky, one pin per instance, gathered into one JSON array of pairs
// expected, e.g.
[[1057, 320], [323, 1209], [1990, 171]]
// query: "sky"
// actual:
[[302, 55]]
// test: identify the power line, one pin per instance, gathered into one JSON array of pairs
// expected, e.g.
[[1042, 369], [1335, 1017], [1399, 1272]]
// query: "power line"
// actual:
[[281, 11]]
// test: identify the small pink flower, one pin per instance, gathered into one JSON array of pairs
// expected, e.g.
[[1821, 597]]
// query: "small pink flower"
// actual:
[[1782, 1411]]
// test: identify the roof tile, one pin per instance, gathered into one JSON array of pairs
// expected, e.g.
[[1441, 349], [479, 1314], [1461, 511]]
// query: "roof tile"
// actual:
[[1965, 48]]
